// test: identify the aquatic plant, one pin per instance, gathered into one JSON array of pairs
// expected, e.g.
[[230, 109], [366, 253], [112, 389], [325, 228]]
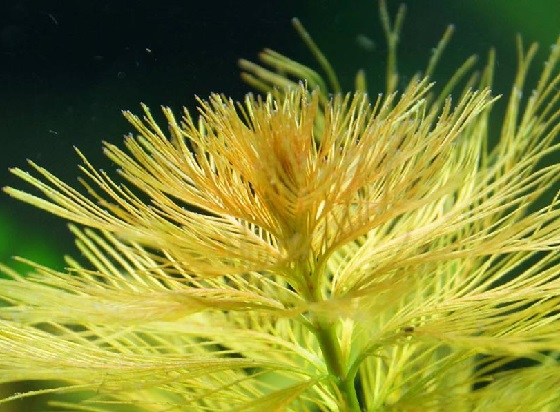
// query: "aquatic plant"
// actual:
[[302, 252]]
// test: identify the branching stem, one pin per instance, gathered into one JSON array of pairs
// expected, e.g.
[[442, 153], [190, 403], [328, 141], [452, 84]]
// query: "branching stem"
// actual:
[[330, 347], [325, 331]]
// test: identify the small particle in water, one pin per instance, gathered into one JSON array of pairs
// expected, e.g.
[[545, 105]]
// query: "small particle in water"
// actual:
[[53, 19], [365, 42]]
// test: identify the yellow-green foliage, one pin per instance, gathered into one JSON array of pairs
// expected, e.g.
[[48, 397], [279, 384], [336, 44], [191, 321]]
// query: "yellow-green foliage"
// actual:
[[299, 252]]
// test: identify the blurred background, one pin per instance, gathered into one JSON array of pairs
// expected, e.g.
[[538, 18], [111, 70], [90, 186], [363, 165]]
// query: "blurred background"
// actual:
[[68, 68]]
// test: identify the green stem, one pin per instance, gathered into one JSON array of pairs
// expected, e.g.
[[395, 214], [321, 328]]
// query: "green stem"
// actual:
[[325, 332], [330, 347]]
